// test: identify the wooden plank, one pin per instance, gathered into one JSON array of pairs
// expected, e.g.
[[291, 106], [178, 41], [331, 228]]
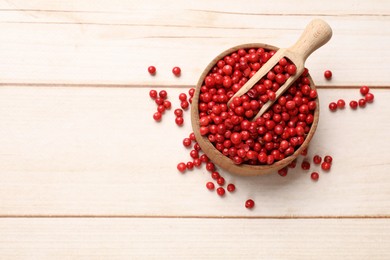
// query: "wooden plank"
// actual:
[[98, 152], [139, 238], [105, 43]]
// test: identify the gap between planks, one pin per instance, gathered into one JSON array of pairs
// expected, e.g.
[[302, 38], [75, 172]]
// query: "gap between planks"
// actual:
[[77, 85], [197, 217]]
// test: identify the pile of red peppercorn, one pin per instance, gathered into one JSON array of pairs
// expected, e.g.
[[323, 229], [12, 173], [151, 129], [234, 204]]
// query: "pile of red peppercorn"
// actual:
[[273, 136]]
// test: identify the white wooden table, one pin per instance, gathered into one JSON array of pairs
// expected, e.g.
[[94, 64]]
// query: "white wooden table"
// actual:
[[86, 172]]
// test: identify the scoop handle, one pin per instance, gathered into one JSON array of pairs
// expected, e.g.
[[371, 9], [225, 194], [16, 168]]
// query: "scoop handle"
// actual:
[[316, 34]]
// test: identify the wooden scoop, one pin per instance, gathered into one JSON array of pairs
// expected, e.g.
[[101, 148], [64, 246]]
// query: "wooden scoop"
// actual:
[[316, 34]]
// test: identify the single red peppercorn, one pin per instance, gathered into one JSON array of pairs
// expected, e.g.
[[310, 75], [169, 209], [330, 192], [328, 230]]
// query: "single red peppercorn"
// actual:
[[182, 97], [283, 172], [215, 175], [184, 104], [305, 165], [190, 165], [210, 166], [341, 103], [167, 104], [364, 90], [332, 106], [181, 167], [362, 102], [210, 185], [325, 166], [328, 159], [178, 112], [153, 94], [152, 70], [187, 142], [249, 204], [314, 176], [328, 74], [161, 108], [317, 159], [221, 181], [163, 94], [231, 187], [191, 92], [304, 152], [176, 71], [157, 116], [369, 97], [353, 104], [179, 120], [220, 191]]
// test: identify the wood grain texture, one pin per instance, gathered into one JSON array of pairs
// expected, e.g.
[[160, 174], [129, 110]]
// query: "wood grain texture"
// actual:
[[97, 151], [194, 239], [107, 42]]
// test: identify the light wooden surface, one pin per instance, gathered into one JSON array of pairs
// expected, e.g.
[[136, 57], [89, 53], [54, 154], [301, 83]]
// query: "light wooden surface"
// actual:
[[87, 173]]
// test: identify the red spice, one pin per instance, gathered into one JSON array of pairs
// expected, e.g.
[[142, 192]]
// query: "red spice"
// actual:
[[220, 191], [231, 187], [187, 142], [317, 159], [362, 102], [167, 104], [249, 204], [179, 120], [221, 181], [215, 175], [353, 104], [176, 71], [161, 108], [184, 104], [305, 165], [163, 94], [190, 165], [332, 106], [369, 97], [328, 74], [182, 97], [326, 166], [178, 112], [157, 116], [292, 164], [364, 90], [314, 176], [328, 159], [181, 167], [273, 136], [210, 185], [283, 172], [153, 94], [341, 103], [152, 70]]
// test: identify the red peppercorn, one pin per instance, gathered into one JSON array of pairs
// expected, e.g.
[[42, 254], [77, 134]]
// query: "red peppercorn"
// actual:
[[317, 159], [184, 104], [215, 175], [332, 106], [210, 185], [283, 172], [364, 90], [292, 164], [353, 104], [182, 97], [176, 71], [187, 142], [220, 191], [163, 94], [178, 112], [157, 116], [305, 165], [221, 181], [153, 94], [152, 70], [328, 74], [210, 166], [328, 159], [231, 187], [190, 165], [249, 204], [340, 103], [314, 176], [369, 97], [191, 92], [181, 167], [325, 166], [167, 104], [179, 120], [161, 108], [362, 102], [304, 152]]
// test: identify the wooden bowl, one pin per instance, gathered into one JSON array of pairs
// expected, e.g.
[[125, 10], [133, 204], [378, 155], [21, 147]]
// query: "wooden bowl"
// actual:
[[216, 156]]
